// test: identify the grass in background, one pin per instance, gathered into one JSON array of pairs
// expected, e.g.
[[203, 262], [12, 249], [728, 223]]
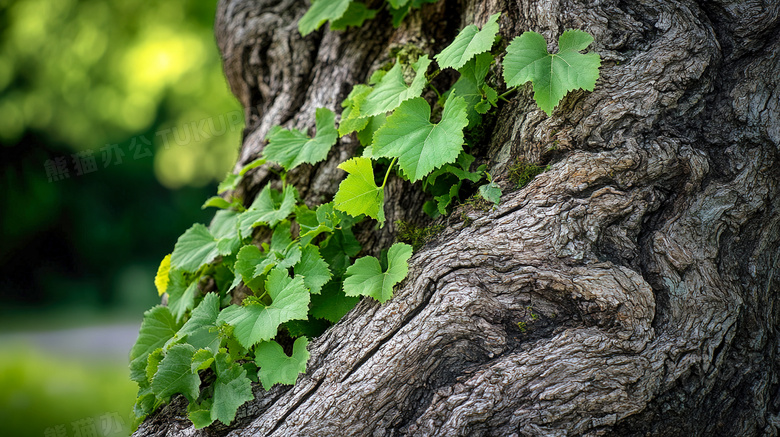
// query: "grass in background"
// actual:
[[45, 395]]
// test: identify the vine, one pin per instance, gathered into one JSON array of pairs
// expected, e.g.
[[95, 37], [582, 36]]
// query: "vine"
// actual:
[[239, 313]]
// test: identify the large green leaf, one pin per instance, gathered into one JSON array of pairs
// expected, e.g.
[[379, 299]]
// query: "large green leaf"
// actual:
[[351, 120], [181, 293], [313, 269], [366, 278], [157, 328], [313, 223], [231, 389], [194, 248], [392, 89], [202, 360], [470, 84], [355, 15], [175, 375], [276, 367], [201, 328], [251, 262], [320, 12], [224, 224], [470, 42], [358, 193], [269, 208], [256, 322], [332, 304], [291, 148], [199, 413], [552, 75], [339, 248], [420, 145]]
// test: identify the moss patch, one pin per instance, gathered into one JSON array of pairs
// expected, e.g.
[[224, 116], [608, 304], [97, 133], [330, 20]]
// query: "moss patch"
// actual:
[[523, 172], [414, 235]]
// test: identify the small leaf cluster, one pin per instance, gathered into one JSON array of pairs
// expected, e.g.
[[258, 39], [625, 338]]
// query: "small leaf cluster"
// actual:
[[394, 122], [246, 293], [349, 13]]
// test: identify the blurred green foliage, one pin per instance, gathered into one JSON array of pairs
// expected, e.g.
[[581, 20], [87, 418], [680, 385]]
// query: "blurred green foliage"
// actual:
[[95, 72], [137, 88], [44, 394]]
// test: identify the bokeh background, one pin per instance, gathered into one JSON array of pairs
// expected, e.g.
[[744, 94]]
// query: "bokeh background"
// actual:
[[116, 123]]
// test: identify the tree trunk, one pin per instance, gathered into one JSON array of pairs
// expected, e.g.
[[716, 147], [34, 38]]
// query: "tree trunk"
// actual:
[[644, 263]]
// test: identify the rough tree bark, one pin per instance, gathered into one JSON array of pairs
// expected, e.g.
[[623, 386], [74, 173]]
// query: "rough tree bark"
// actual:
[[649, 251]]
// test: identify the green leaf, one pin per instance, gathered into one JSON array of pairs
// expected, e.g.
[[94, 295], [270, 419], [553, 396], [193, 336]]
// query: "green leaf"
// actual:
[[153, 362], [366, 278], [470, 42], [256, 322], [195, 248], [313, 269], [491, 95], [443, 201], [313, 223], [392, 90], [469, 84], [351, 120], [420, 145], [482, 107], [491, 192], [320, 12], [332, 304], [175, 375], [157, 328], [552, 75], [201, 328], [366, 135], [276, 367], [339, 248], [269, 208], [181, 294], [224, 224], [145, 403], [311, 328], [200, 413], [231, 390], [459, 169], [228, 246], [358, 193], [291, 148], [281, 239], [395, 4], [286, 252], [229, 183], [223, 274], [216, 202], [400, 13], [251, 263], [232, 180], [254, 164], [202, 360], [355, 15], [204, 316]]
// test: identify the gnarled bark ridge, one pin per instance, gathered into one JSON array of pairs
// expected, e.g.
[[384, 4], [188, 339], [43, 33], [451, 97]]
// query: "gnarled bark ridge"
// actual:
[[645, 263]]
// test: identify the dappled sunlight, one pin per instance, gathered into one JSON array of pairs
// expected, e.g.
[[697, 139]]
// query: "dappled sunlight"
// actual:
[[91, 73]]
